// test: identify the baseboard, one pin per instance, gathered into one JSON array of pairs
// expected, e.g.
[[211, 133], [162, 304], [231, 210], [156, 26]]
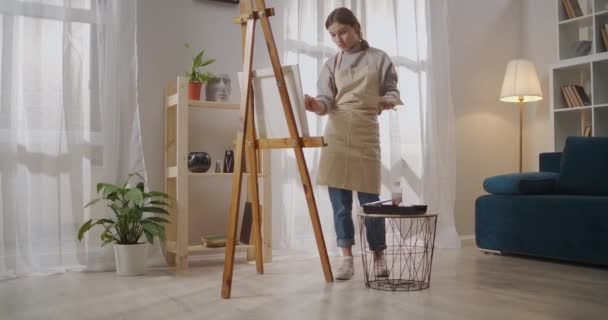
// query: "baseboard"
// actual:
[[467, 240]]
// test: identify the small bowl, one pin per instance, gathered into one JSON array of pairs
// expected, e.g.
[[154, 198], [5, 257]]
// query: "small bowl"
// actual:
[[199, 161]]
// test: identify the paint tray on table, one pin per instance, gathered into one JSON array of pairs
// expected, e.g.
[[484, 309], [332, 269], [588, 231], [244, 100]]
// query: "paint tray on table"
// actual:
[[379, 207]]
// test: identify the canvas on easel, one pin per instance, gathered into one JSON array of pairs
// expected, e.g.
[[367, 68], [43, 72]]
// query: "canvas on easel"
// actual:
[[269, 122]]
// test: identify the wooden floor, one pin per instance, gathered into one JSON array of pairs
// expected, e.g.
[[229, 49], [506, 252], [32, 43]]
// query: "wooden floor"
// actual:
[[465, 284]]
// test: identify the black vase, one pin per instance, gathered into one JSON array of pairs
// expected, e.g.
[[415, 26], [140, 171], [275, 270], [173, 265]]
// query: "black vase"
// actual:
[[199, 161], [229, 161]]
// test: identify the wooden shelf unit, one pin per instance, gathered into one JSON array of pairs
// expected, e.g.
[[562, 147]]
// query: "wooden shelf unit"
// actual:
[[177, 247]]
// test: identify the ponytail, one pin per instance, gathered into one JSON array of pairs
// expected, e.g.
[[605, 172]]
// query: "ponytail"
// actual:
[[364, 44]]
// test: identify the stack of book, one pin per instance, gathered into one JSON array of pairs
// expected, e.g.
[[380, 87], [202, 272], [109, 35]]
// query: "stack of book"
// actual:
[[575, 96], [214, 241], [572, 8], [604, 31]]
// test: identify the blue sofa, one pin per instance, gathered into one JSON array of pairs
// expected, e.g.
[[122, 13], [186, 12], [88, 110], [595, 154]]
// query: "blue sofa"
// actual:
[[560, 212]]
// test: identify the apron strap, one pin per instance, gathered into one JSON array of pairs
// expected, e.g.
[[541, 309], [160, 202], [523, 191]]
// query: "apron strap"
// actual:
[[337, 62]]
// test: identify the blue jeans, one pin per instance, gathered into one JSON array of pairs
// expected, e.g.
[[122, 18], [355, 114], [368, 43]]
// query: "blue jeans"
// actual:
[[342, 203]]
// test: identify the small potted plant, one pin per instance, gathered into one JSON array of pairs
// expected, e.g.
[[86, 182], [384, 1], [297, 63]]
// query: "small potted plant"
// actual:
[[197, 77], [135, 214]]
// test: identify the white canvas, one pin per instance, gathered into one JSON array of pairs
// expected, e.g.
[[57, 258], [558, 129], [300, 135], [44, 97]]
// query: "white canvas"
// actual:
[[270, 117]]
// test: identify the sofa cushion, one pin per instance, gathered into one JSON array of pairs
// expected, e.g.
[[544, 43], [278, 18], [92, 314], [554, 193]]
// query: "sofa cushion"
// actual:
[[522, 183], [584, 166]]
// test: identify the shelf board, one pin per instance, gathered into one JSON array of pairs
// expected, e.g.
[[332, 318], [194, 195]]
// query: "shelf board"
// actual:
[[240, 247], [172, 173], [602, 105], [172, 102], [217, 174], [202, 249], [564, 63], [213, 105], [601, 12], [572, 20], [573, 109], [209, 174]]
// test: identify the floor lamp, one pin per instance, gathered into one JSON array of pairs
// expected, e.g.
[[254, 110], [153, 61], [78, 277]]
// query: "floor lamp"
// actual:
[[520, 85]]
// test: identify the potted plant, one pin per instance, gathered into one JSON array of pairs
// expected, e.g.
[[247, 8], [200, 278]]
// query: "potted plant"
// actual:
[[197, 77], [135, 214]]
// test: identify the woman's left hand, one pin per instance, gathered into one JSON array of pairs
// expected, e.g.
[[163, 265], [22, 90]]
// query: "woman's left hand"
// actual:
[[386, 105], [383, 105]]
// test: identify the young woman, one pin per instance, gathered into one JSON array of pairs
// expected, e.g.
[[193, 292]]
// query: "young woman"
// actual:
[[351, 160]]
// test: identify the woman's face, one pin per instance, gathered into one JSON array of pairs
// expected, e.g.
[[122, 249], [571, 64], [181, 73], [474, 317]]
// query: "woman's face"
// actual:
[[344, 36]]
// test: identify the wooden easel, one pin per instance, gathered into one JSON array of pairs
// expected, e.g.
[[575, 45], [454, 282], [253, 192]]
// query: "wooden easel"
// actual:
[[247, 140]]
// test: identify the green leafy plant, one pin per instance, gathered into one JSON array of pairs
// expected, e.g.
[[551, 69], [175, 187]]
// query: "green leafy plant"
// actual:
[[195, 74], [129, 204]]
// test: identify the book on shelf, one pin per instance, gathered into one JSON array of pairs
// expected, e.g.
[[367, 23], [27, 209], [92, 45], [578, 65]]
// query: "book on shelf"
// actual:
[[587, 131], [577, 8], [567, 9], [604, 31], [572, 8], [247, 223], [566, 97], [572, 97], [582, 95], [577, 100]]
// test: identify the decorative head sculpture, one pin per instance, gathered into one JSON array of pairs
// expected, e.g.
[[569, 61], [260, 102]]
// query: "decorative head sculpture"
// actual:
[[219, 88]]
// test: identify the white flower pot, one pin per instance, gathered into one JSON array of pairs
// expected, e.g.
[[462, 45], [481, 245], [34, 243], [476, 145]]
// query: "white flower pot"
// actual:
[[130, 259]]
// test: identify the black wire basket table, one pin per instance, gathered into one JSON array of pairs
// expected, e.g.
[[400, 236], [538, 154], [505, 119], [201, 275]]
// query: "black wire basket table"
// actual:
[[405, 264]]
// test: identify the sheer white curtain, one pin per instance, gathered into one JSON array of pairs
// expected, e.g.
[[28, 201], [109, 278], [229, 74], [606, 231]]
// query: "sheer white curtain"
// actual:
[[68, 119], [417, 141]]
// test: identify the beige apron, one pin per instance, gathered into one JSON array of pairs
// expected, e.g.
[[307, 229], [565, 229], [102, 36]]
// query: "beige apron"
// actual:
[[351, 159]]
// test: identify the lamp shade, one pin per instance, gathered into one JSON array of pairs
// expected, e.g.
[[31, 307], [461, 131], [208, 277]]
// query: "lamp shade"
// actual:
[[520, 81]]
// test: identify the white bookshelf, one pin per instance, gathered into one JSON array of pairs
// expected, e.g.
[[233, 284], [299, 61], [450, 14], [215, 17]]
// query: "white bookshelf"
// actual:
[[589, 71]]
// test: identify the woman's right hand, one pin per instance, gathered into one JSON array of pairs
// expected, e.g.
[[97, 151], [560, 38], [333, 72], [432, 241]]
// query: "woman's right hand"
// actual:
[[312, 104]]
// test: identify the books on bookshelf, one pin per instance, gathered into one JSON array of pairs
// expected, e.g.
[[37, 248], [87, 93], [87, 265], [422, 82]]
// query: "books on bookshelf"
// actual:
[[572, 8], [214, 241], [575, 96], [587, 131]]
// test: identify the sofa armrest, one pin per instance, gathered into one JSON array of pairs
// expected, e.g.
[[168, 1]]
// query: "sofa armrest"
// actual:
[[522, 183], [549, 161]]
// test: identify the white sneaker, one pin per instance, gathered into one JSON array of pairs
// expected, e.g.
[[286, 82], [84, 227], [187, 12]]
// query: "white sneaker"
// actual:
[[346, 270], [380, 268]]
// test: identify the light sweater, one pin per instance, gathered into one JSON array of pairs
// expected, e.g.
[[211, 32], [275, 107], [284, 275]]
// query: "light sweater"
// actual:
[[326, 87]]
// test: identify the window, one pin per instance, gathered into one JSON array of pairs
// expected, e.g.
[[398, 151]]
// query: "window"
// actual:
[[45, 64]]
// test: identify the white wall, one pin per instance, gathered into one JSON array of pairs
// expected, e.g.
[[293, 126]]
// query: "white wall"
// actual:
[[539, 45], [484, 36]]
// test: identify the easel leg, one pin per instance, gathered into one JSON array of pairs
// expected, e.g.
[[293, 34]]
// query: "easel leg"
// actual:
[[237, 178], [293, 130], [314, 214], [254, 194]]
